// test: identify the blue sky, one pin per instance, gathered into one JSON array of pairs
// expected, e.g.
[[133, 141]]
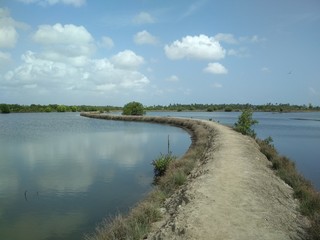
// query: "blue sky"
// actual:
[[159, 52]]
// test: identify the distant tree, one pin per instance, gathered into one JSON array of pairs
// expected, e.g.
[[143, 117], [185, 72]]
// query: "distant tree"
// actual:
[[245, 122], [133, 108], [48, 109], [4, 108], [73, 108], [61, 108]]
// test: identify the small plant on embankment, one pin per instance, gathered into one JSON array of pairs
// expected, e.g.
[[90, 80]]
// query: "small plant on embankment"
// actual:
[[161, 164], [308, 197], [245, 122]]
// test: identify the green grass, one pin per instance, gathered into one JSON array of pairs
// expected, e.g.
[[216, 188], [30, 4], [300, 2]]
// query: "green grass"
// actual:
[[308, 197]]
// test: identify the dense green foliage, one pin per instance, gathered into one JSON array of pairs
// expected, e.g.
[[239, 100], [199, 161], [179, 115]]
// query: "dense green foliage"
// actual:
[[133, 108], [171, 107], [57, 108], [234, 107], [4, 108], [245, 122]]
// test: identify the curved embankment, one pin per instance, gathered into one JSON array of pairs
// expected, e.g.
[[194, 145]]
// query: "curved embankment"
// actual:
[[231, 194]]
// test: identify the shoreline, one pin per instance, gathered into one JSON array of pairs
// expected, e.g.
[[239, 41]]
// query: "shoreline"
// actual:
[[232, 193]]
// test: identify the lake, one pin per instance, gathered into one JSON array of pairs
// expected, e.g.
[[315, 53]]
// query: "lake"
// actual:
[[61, 174]]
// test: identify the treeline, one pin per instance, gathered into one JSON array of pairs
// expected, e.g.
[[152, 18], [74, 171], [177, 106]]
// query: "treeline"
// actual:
[[7, 108], [234, 107]]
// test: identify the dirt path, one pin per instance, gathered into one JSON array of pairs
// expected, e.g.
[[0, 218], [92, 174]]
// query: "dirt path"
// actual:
[[234, 196]]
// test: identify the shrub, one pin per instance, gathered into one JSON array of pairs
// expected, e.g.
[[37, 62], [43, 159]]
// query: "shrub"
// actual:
[[133, 108], [161, 164], [245, 122], [61, 108]]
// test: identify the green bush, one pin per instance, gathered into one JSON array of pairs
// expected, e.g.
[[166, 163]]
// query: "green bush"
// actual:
[[61, 108], [245, 122], [161, 164], [133, 108]]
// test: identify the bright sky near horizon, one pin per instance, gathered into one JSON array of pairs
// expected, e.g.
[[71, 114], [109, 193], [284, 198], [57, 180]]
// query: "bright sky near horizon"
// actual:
[[159, 52]]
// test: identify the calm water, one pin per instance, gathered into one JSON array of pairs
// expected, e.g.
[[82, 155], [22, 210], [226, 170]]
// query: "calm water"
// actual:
[[296, 135], [61, 174]]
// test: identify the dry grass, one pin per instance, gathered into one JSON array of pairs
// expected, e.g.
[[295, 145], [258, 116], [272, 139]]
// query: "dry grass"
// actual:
[[308, 197]]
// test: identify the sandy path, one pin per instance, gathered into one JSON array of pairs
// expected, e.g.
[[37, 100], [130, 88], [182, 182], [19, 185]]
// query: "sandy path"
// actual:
[[237, 196]]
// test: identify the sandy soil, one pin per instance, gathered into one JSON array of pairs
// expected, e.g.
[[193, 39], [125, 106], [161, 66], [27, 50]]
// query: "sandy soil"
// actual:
[[234, 195]]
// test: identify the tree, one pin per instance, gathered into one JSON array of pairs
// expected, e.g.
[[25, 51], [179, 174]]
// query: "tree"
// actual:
[[245, 122], [133, 108], [4, 108], [61, 108]]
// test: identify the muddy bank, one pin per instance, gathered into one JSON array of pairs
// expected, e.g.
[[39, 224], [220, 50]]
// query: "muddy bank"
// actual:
[[231, 194]]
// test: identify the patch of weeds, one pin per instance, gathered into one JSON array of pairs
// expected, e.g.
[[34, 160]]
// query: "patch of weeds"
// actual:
[[179, 177], [308, 197], [161, 164], [134, 226]]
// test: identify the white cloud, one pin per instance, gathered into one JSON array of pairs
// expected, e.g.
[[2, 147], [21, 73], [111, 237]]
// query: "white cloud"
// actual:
[[216, 68], [144, 37], [107, 42], [62, 34], [143, 18], [92, 75], [195, 47], [226, 37], [173, 78], [127, 59], [65, 40], [265, 69], [8, 36], [75, 3], [8, 29]]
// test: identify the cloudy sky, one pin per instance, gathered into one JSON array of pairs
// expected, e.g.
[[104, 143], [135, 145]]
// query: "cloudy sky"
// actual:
[[159, 52]]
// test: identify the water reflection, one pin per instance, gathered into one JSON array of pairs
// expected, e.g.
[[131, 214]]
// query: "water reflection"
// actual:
[[61, 174]]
